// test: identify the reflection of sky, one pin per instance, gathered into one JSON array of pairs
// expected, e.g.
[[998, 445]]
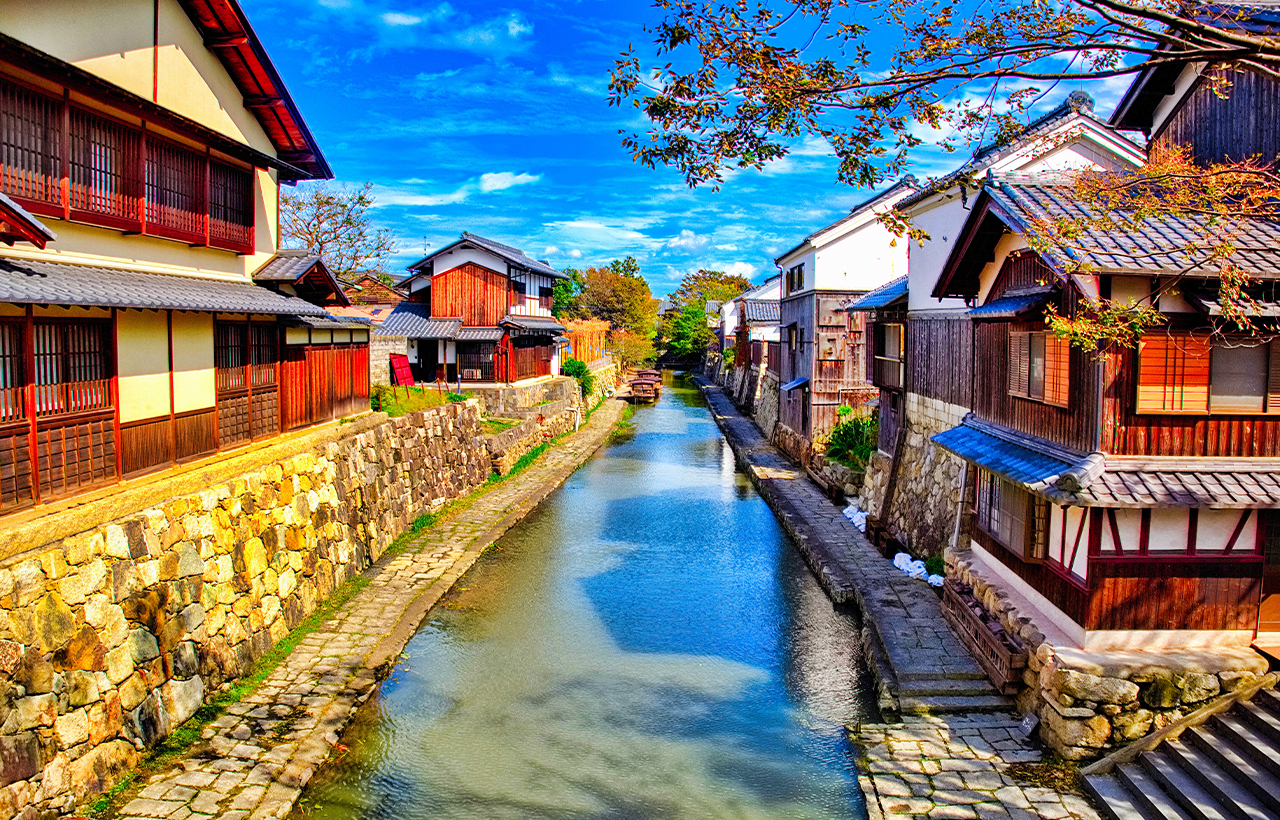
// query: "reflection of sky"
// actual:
[[645, 645]]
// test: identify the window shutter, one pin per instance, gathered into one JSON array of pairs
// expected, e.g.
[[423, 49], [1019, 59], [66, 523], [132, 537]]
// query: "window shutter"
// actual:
[[1057, 369], [1019, 363], [1173, 374], [1039, 547], [1273, 377]]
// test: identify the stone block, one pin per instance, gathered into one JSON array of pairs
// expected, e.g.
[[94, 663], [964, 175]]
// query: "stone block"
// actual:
[[133, 692], [10, 656], [150, 719], [83, 651], [119, 663], [82, 688], [143, 646], [54, 622], [1128, 726], [34, 673], [182, 698], [189, 562], [1230, 681], [35, 710], [1091, 733], [72, 728], [1196, 687], [1083, 686], [20, 758], [1161, 693], [101, 767]]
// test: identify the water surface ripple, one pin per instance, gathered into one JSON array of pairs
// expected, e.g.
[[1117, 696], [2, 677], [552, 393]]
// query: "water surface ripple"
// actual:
[[646, 645]]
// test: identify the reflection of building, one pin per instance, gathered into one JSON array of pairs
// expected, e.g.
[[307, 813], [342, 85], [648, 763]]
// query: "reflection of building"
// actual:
[[146, 317], [478, 311]]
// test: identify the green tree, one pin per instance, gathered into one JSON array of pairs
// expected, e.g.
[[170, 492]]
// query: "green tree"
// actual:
[[631, 349], [566, 293], [336, 224], [687, 333], [619, 295], [704, 286]]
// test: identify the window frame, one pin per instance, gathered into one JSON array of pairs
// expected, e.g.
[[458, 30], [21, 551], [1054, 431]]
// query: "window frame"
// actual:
[[1032, 523], [884, 362], [1185, 368], [1049, 382]]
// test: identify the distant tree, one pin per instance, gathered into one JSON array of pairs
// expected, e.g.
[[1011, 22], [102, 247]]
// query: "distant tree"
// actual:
[[704, 286], [687, 333], [631, 349], [566, 295], [619, 295], [335, 223]]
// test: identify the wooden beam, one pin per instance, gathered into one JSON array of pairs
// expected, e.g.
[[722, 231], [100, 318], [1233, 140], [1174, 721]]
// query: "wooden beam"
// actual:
[[226, 41], [263, 102]]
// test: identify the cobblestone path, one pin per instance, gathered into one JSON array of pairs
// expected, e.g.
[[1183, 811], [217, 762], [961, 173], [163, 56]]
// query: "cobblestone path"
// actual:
[[953, 766], [264, 750]]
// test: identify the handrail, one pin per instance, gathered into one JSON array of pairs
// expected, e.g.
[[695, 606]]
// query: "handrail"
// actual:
[[1175, 729]]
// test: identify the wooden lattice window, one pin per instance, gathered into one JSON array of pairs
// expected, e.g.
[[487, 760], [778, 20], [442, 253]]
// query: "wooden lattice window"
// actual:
[[175, 189], [72, 369], [30, 145], [263, 354], [1011, 516], [12, 400], [104, 166], [230, 206], [230, 356]]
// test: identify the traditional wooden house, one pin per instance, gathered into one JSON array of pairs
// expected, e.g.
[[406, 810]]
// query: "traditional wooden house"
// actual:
[[912, 489], [370, 296], [1130, 497], [822, 345], [479, 311], [146, 317]]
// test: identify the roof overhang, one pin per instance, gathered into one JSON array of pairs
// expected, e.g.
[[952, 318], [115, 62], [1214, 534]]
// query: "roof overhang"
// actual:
[[1012, 305], [973, 250], [17, 225], [227, 34], [795, 384]]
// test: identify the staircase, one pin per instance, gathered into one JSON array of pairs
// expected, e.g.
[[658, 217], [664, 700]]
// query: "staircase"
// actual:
[[1228, 767]]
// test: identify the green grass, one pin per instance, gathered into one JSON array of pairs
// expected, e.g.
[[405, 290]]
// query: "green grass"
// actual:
[[624, 428], [495, 426], [400, 401], [182, 740]]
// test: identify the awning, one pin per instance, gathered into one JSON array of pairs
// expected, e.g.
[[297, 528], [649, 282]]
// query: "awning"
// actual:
[[890, 293], [533, 325], [414, 320], [17, 225], [795, 383], [1010, 307], [1022, 459], [29, 282]]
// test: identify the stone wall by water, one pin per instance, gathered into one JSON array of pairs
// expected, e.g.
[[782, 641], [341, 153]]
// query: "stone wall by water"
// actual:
[[847, 479], [766, 409], [113, 635], [927, 497], [607, 373], [540, 424]]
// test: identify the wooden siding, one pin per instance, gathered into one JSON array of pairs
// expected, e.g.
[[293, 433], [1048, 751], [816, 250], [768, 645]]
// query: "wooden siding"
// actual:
[[477, 295], [1125, 432], [1022, 270], [940, 359], [831, 353], [323, 382], [1235, 128], [1072, 426]]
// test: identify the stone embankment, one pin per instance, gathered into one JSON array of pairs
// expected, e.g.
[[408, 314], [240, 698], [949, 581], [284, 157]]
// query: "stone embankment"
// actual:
[[257, 758], [918, 662]]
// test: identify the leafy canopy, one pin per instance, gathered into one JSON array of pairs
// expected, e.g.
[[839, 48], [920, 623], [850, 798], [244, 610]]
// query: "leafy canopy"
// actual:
[[704, 286], [336, 223], [616, 293]]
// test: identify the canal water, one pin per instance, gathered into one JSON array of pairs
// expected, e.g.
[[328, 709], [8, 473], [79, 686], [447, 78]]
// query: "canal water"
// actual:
[[647, 645]]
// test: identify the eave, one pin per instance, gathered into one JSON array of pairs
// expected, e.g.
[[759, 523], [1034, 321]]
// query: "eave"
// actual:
[[228, 34]]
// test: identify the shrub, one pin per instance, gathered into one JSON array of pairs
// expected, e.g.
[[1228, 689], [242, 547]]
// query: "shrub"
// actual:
[[853, 439], [729, 354], [578, 370]]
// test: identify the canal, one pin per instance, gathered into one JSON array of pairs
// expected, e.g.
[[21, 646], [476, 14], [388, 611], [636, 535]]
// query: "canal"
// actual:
[[646, 645]]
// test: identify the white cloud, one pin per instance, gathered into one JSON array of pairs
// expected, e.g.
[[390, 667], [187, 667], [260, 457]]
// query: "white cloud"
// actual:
[[741, 268], [505, 179], [688, 241], [726, 247], [517, 27], [550, 250], [395, 18], [575, 254]]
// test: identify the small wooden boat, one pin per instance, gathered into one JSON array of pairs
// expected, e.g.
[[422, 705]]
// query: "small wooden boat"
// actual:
[[655, 374], [645, 388]]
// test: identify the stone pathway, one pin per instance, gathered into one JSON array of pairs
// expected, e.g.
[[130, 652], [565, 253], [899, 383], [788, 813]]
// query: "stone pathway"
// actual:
[[264, 750], [918, 661], [955, 766]]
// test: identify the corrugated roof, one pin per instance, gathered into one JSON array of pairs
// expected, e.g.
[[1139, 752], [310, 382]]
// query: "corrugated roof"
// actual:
[[24, 281], [760, 311], [1158, 246], [414, 319], [1024, 459], [887, 294], [1008, 307]]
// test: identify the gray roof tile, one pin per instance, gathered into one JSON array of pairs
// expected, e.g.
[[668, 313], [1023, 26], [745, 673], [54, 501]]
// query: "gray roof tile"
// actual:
[[514, 256], [287, 266], [414, 319], [24, 281], [761, 311]]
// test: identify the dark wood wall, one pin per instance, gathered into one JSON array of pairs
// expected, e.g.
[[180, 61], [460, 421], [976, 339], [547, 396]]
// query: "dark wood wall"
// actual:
[[1073, 426], [940, 359], [798, 362], [478, 296], [1246, 123], [1125, 432]]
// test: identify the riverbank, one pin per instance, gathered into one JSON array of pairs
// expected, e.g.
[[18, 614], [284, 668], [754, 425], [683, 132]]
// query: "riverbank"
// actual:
[[254, 760]]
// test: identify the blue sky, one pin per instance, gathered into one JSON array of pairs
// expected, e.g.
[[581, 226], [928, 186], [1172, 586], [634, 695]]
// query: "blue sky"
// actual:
[[493, 119]]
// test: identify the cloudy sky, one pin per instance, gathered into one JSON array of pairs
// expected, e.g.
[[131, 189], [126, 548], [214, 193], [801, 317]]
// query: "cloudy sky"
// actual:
[[492, 118]]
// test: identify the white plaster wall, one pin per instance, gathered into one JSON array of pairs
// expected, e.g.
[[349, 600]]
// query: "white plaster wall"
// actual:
[[451, 259], [1168, 531], [193, 375], [863, 259], [530, 306], [142, 343]]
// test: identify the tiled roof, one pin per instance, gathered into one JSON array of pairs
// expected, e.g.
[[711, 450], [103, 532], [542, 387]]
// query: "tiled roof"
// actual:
[[762, 311], [515, 256], [22, 225], [1158, 246], [533, 324], [1183, 482], [335, 322], [1009, 307], [479, 334], [414, 319], [287, 266], [25, 281], [1265, 296], [895, 290], [1024, 459]]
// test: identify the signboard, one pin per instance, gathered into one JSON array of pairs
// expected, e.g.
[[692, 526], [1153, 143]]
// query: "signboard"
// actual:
[[400, 372]]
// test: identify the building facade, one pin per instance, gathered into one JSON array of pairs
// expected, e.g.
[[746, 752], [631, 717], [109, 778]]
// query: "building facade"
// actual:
[[142, 320]]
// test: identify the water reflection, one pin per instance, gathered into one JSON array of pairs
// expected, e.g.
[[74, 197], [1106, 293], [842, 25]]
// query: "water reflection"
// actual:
[[646, 645]]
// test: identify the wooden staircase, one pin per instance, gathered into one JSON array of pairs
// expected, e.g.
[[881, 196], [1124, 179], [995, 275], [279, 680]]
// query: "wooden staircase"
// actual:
[[1225, 768]]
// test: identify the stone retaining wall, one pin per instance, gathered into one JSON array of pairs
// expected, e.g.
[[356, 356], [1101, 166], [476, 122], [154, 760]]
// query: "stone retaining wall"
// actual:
[[541, 424], [112, 636], [509, 402], [927, 497], [766, 409], [606, 373], [1090, 702], [840, 475]]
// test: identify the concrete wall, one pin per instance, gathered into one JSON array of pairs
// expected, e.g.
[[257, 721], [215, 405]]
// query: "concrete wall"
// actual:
[[111, 636]]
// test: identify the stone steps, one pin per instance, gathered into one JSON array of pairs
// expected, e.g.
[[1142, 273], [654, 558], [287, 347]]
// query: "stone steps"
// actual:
[[943, 704], [957, 687], [1226, 769]]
